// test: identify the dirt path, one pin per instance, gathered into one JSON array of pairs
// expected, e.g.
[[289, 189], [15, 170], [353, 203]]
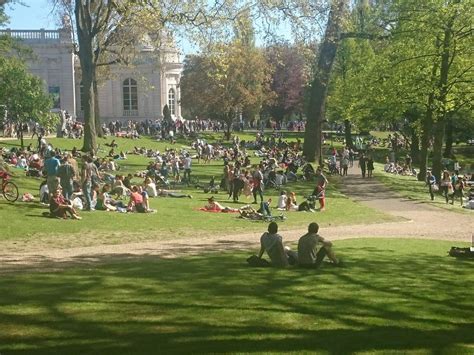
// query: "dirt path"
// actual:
[[416, 220]]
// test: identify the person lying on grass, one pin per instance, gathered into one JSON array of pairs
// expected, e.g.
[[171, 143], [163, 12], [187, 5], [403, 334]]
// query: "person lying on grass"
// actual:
[[308, 257], [214, 206], [272, 243], [60, 207]]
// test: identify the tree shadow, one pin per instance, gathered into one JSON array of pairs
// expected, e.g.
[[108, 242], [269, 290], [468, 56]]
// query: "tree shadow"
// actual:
[[414, 300]]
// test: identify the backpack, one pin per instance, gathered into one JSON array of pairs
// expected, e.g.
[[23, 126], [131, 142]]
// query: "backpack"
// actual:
[[461, 252], [255, 261]]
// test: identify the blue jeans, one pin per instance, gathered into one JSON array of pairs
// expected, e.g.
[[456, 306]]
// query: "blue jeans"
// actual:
[[67, 189], [87, 190]]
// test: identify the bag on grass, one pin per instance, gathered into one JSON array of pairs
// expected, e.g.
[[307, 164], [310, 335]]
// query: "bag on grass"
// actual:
[[255, 261], [461, 252]]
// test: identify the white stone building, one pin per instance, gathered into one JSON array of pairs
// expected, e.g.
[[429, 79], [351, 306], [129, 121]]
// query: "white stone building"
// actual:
[[128, 93]]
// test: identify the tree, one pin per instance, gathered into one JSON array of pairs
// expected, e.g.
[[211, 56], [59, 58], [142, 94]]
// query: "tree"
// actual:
[[312, 147], [290, 75], [223, 82], [23, 95], [108, 32]]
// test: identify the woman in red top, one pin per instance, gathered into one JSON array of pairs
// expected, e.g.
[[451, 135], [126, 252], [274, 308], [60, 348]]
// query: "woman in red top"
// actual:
[[137, 201]]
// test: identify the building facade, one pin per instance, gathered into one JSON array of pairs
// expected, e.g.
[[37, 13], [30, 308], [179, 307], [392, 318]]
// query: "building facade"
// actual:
[[138, 92]]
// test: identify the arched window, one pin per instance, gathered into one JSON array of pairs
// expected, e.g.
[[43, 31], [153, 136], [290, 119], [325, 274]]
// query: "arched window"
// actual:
[[172, 101], [130, 95]]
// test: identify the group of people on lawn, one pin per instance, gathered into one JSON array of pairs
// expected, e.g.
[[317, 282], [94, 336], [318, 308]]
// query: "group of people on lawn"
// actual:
[[308, 255]]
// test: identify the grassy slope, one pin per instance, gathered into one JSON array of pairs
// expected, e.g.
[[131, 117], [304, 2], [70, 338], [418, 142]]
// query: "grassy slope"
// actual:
[[394, 296], [175, 217]]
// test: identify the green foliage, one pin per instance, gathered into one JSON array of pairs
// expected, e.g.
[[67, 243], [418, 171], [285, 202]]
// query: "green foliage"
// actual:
[[22, 93], [393, 297], [227, 79]]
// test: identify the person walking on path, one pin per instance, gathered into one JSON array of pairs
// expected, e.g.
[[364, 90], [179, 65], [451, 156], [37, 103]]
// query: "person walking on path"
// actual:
[[363, 164], [370, 166], [431, 182], [446, 185]]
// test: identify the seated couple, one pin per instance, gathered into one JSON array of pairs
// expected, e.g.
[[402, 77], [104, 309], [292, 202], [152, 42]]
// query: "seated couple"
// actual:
[[307, 256]]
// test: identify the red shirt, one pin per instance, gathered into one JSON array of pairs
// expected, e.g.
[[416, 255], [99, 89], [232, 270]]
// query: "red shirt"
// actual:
[[136, 198]]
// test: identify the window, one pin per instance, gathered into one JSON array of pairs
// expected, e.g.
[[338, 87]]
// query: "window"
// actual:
[[130, 95], [172, 101]]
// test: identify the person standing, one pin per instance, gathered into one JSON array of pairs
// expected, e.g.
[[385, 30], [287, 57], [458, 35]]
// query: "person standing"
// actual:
[[308, 256], [257, 178], [51, 165], [363, 164], [320, 189], [86, 180], [66, 175], [431, 182], [187, 162], [370, 166]]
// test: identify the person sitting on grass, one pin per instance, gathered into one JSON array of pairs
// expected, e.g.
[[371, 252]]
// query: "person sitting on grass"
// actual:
[[60, 207], [307, 247], [272, 243], [138, 201]]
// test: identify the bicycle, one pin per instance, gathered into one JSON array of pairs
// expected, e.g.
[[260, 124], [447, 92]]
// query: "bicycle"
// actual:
[[9, 189]]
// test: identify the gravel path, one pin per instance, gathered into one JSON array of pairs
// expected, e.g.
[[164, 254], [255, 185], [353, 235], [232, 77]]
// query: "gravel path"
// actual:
[[415, 220]]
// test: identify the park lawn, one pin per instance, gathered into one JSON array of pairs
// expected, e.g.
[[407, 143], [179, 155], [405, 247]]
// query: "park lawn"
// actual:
[[409, 187], [175, 218], [392, 296]]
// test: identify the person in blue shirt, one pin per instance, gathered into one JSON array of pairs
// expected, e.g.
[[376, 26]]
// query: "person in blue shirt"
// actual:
[[51, 165]]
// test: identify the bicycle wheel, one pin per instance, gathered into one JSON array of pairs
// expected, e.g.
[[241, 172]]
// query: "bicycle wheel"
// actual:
[[194, 180], [10, 191]]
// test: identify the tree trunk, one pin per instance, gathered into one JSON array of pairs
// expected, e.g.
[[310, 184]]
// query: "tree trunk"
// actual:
[[448, 149], [437, 148], [415, 146], [88, 66], [98, 124], [312, 147], [446, 61], [348, 133]]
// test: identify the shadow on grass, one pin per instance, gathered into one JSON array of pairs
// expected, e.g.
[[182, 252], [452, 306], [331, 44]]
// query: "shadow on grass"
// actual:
[[392, 296]]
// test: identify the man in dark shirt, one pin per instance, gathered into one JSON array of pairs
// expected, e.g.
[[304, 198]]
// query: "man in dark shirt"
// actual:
[[307, 249]]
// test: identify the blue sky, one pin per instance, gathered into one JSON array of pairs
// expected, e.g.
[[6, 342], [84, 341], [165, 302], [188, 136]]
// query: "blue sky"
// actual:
[[35, 15]]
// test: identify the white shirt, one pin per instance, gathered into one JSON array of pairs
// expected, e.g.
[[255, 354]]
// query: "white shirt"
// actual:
[[187, 163]]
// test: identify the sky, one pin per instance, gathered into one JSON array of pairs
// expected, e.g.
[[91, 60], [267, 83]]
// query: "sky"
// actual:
[[35, 15]]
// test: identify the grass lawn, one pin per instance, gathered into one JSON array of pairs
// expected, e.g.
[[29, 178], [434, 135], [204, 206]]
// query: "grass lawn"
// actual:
[[410, 187], [393, 296], [175, 217]]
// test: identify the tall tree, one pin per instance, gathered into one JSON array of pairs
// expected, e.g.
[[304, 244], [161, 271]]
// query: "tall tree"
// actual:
[[312, 147]]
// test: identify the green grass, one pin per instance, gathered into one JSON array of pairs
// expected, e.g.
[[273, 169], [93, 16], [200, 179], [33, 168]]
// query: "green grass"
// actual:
[[409, 187], [393, 296], [175, 217]]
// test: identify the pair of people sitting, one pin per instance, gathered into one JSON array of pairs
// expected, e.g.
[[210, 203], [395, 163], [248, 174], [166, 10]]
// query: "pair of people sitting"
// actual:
[[307, 256]]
